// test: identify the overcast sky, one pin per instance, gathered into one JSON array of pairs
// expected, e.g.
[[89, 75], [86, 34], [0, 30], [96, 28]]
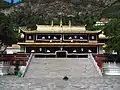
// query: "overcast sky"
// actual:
[[10, 1]]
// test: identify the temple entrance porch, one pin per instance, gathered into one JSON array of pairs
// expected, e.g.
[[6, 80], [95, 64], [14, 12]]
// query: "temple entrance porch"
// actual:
[[70, 50], [63, 51], [61, 54]]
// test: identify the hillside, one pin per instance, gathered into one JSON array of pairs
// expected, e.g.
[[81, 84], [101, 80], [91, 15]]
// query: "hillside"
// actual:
[[43, 11], [113, 10], [4, 4], [54, 7]]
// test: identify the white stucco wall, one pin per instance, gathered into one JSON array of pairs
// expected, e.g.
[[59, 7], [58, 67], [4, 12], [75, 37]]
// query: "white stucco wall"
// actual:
[[22, 49], [100, 50], [12, 50]]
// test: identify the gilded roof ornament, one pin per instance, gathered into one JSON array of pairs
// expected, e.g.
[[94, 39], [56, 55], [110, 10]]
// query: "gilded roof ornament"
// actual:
[[102, 36], [52, 23], [70, 23], [61, 23]]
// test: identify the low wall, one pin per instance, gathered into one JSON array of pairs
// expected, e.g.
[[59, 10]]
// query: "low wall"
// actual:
[[11, 61]]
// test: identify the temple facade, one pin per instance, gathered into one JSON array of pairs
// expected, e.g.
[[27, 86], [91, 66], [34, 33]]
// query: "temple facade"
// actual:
[[62, 40]]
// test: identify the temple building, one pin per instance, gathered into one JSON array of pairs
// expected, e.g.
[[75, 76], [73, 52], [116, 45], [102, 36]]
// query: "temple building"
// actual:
[[62, 40]]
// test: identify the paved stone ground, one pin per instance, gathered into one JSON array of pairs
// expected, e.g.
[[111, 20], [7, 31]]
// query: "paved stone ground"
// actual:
[[54, 82], [17, 83]]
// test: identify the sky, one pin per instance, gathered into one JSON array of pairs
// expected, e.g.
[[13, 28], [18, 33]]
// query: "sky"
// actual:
[[15, 1]]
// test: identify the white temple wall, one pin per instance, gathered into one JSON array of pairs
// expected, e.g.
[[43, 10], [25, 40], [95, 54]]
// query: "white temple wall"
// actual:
[[100, 50], [22, 49]]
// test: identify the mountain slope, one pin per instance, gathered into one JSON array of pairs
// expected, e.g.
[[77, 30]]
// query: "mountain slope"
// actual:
[[31, 12], [113, 10]]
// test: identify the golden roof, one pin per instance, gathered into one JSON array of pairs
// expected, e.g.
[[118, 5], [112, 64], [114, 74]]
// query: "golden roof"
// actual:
[[15, 46], [60, 29]]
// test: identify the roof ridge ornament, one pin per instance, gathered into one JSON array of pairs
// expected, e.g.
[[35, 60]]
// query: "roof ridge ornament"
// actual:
[[52, 23], [61, 22], [70, 23], [61, 25]]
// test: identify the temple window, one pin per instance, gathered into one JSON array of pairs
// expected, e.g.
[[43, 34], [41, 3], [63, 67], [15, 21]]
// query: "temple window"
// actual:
[[74, 50], [75, 37], [43, 37], [30, 37], [70, 37], [49, 37], [48, 50], [71, 40], [50, 40], [93, 37], [82, 49], [40, 49], [61, 48], [89, 51], [55, 37], [81, 37]]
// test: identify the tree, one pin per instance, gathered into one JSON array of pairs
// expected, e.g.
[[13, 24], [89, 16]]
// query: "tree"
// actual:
[[7, 35], [4, 4], [112, 31], [12, 1]]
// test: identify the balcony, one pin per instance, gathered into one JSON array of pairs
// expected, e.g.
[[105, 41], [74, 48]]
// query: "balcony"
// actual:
[[75, 38], [48, 38]]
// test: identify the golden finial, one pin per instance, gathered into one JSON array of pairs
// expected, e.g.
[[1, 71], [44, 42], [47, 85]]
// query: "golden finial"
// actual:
[[61, 23], [52, 23], [102, 36], [19, 30], [69, 23]]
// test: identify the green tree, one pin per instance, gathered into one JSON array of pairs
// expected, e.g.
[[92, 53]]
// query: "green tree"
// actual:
[[7, 35], [12, 1], [4, 4], [112, 31]]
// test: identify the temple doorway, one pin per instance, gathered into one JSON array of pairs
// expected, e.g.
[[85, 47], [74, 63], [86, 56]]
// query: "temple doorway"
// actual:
[[61, 54]]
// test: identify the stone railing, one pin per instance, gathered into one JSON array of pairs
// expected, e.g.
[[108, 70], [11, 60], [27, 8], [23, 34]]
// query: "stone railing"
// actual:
[[90, 56], [27, 65], [8, 62]]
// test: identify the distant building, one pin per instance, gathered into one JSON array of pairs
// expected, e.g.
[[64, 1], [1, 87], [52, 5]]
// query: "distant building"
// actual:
[[102, 22]]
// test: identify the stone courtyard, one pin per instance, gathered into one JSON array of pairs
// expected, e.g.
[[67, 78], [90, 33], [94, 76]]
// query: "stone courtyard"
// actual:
[[103, 83], [47, 74]]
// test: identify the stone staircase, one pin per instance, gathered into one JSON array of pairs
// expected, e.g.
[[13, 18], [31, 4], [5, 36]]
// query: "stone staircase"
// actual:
[[60, 67]]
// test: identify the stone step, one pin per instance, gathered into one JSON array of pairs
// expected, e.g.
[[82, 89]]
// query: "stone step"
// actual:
[[60, 67]]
